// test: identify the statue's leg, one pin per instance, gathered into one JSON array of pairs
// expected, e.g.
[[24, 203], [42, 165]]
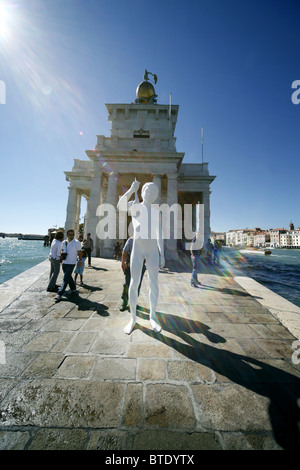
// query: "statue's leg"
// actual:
[[136, 264], [152, 264]]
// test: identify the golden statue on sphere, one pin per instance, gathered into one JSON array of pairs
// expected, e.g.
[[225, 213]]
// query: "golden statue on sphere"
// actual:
[[145, 92]]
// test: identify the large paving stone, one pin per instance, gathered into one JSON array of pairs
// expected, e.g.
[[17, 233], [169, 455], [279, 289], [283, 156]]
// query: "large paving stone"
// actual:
[[276, 349], [63, 403], [75, 367], [16, 363], [174, 440], [59, 439], [169, 406], [245, 441], [12, 324], [109, 347], [133, 407], [114, 369], [13, 440], [15, 340], [231, 407], [82, 342], [45, 365], [110, 439], [182, 371], [6, 384], [151, 369], [149, 350], [43, 341]]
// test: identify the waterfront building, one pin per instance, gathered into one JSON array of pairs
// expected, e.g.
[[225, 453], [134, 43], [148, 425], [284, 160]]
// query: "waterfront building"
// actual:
[[239, 237], [290, 239], [261, 238], [221, 236], [250, 238], [275, 237], [142, 145]]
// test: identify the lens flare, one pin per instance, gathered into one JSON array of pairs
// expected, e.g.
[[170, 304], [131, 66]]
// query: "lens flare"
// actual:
[[6, 23]]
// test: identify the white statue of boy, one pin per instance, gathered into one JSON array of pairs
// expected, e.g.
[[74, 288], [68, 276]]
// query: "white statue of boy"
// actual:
[[147, 245]]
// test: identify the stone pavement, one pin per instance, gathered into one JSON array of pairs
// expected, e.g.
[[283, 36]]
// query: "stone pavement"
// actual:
[[220, 375]]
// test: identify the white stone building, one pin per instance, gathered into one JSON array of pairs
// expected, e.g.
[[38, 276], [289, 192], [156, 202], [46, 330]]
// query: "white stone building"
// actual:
[[275, 237], [239, 237], [262, 238], [142, 145], [290, 239]]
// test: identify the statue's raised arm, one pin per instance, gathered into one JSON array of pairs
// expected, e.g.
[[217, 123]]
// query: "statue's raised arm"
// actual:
[[123, 201]]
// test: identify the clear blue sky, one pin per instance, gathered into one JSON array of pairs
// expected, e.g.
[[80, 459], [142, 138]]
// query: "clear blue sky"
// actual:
[[229, 65]]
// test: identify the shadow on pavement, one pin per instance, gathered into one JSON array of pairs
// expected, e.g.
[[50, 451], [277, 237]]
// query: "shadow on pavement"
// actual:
[[280, 387], [86, 304]]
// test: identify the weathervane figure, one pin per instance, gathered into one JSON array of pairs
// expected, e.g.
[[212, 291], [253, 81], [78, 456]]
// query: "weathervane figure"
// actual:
[[146, 76]]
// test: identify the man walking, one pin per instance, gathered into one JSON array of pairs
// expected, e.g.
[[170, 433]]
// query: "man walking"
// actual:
[[88, 245], [71, 248], [54, 258], [126, 253], [195, 257]]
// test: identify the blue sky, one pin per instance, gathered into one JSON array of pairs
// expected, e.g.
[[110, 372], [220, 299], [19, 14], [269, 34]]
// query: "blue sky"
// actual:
[[229, 65]]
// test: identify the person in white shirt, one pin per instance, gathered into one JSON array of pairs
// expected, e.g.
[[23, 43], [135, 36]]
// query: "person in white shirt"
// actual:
[[54, 258], [71, 248]]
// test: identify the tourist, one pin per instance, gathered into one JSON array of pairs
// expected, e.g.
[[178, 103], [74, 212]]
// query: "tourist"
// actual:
[[80, 267], [209, 251], [88, 246], [117, 251], [195, 257], [216, 252], [71, 248], [126, 270], [54, 258]]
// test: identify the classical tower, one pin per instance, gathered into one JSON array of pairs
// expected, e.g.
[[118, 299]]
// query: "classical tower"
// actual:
[[141, 145]]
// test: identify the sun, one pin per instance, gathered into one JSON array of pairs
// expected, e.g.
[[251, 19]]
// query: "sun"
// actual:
[[5, 22]]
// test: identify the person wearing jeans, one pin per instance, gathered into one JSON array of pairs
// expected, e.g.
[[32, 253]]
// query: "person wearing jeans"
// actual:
[[88, 245], [195, 257], [71, 248], [126, 270], [54, 258]]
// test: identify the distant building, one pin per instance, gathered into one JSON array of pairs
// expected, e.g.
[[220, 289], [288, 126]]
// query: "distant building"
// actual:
[[262, 238], [238, 237], [275, 234], [290, 239], [218, 236]]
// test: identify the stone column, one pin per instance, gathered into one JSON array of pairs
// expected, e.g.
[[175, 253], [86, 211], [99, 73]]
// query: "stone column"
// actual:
[[111, 198], [157, 181], [206, 202], [92, 205], [172, 198], [71, 209], [77, 213]]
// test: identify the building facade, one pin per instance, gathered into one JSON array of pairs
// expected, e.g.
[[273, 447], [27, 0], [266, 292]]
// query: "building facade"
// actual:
[[274, 238], [142, 145]]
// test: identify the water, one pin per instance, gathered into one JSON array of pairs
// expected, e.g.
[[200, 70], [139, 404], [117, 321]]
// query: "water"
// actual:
[[18, 255], [279, 271]]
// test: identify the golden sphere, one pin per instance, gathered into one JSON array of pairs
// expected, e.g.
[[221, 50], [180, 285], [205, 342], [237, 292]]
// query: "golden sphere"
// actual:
[[145, 90]]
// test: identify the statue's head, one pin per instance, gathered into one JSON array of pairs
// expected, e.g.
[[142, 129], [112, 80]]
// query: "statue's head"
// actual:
[[149, 192]]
